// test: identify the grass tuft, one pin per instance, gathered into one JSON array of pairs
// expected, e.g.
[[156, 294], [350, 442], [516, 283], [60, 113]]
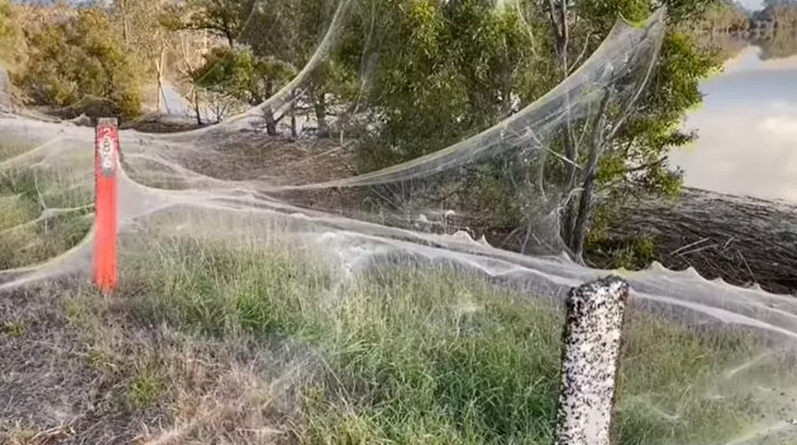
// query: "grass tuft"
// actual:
[[43, 213], [12, 329]]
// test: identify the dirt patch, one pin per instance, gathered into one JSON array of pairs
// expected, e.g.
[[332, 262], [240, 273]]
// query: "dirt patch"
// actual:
[[79, 368], [275, 159], [154, 125]]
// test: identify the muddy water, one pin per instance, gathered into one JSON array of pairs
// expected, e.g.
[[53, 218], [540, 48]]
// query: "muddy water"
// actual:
[[748, 130]]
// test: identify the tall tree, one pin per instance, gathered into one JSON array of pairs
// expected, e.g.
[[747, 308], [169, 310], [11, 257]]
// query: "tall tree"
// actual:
[[634, 157], [227, 18]]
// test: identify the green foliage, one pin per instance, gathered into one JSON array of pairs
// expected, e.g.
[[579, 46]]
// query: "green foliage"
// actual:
[[5, 18], [77, 57], [145, 382], [10, 38], [445, 72], [228, 18], [240, 74], [723, 16], [632, 253], [449, 71], [635, 161], [439, 72], [12, 329], [638, 160]]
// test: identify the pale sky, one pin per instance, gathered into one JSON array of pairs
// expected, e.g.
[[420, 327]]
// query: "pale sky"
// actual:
[[751, 4]]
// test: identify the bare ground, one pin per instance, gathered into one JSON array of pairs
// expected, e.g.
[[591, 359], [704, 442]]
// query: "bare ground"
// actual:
[[77, 369]]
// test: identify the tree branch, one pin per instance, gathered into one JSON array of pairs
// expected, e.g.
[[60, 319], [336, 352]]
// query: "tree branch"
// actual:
[[581, 55], [588, 188], [646, 166]]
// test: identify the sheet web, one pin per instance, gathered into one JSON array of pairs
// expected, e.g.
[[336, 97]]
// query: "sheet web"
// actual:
[[231, 185]]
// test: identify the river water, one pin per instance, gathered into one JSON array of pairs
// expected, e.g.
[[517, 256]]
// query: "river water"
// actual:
[[747, 130]]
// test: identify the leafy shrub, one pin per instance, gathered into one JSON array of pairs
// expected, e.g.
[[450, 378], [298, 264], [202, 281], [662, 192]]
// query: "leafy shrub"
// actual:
[[75, 57], [607, 250], [5, 18], [241, 74]]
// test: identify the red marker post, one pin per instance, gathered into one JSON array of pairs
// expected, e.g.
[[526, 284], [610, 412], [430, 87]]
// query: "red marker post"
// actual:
[[106, 156]]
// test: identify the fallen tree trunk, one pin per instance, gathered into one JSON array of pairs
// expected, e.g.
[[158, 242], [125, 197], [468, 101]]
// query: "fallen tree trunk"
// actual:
[[742, 240]]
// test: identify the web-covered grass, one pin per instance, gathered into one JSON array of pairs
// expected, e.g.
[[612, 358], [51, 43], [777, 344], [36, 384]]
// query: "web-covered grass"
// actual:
[[424, 355], [399, 353], [43, 212]]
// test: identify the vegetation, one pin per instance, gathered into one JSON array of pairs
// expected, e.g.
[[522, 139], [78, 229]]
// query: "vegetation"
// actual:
[[260, 341], [243, 76], [74, 58], [399, 354], [726, 16], [5, 15], [783, 14], [425, 74], [230, 340], [428, 355], [42, 214]]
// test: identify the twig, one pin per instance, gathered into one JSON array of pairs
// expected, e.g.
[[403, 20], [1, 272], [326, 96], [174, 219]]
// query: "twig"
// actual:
[[750, 271], [699, 249], [681, 249]]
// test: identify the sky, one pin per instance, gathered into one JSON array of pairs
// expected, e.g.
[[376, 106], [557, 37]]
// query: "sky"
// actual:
[[751, 4]]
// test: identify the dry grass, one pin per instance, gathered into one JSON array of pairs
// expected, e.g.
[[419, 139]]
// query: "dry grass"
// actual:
[[79, 367]]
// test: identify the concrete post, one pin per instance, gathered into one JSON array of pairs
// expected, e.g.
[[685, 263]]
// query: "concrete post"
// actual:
[[595, 314]]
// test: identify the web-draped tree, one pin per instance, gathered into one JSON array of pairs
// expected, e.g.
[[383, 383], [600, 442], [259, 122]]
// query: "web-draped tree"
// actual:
[[448, 70], [431, 73]]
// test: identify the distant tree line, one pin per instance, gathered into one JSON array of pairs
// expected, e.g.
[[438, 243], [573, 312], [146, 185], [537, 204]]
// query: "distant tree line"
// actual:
[[781, 13], [731, 16]]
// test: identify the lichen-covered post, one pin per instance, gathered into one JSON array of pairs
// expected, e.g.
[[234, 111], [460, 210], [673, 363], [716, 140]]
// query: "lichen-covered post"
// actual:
[[594, 323]]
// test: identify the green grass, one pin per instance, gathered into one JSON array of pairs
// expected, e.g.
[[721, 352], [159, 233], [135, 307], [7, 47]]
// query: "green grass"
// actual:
[[43, 213], [418, 355]]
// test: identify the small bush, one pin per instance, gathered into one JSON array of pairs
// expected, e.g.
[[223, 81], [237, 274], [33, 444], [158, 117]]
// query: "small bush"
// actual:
[[75, 57], [608, 251]]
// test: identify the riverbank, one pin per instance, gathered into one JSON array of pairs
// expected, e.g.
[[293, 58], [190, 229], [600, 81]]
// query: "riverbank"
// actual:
[[743, 240]]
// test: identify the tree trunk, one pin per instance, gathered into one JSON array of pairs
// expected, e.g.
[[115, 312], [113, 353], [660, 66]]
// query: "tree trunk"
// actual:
[[585, 204], [571, 208], [271, 123], [561, 31], [320, 107], [196, 108], [125, 25], [228, 33], [294, 132], [159, 71]]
